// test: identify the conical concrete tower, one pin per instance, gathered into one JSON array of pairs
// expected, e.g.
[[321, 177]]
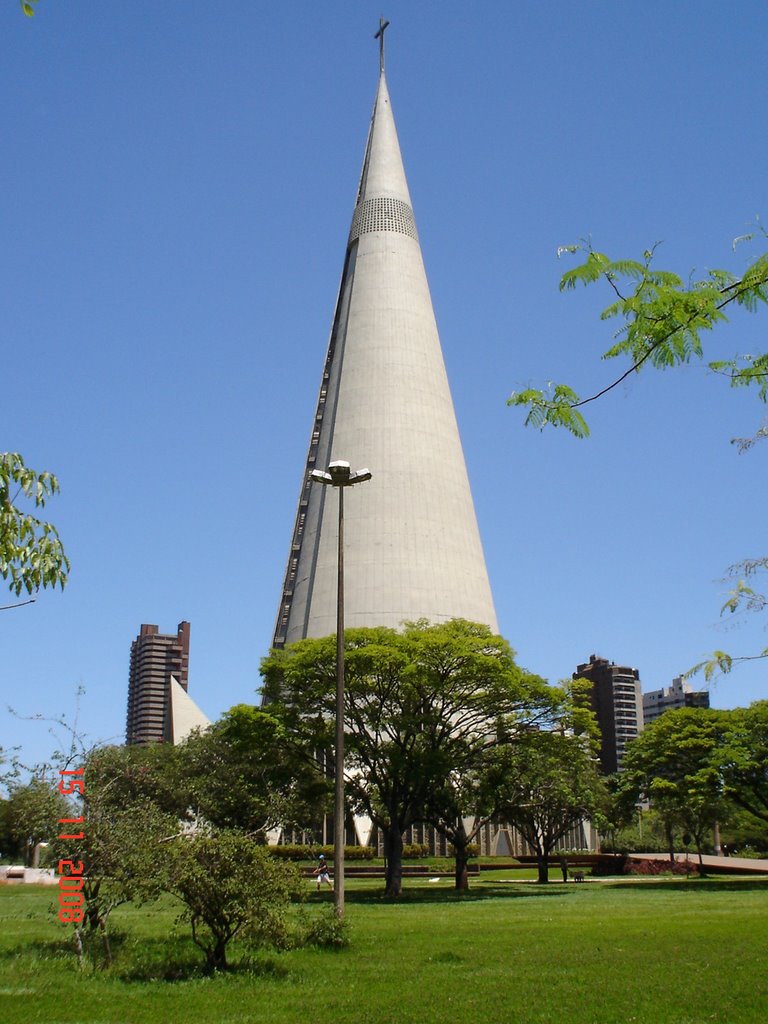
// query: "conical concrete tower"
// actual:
[[411, 542]]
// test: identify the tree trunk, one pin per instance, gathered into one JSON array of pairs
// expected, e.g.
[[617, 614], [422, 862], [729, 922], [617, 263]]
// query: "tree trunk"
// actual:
[[461, 874], [393, 856], [79, 946], [219, 959], [461, 858], [670, 842], [542, 862], [702, 870], [105, 940]]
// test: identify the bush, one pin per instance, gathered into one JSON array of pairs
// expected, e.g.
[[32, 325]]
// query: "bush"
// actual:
[[472, 849], [229, 886], [750, 852], [415, 851], [661, 867], [305, 852], [327, 930], [289, 852]]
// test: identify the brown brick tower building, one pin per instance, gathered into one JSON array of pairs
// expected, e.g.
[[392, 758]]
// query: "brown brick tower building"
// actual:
[[155, 658]]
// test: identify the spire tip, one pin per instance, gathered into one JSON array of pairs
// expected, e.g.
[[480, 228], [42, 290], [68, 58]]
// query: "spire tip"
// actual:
[[383, 25]]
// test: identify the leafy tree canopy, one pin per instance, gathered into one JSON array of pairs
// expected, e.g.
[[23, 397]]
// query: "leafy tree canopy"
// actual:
[[243, 772], [674, 764], [31, 816], [420, 704], [743, 757], [31, 553], [229, 887], [546, 783], [662, 320]]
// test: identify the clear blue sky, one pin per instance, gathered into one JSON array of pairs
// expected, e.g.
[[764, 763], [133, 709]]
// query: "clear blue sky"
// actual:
[[177, 185]]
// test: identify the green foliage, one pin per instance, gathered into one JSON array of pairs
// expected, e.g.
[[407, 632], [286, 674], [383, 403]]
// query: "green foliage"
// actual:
[[662, 321], [674, 764], [31, 553], [545, 783], [643, 832], [116, 778], [742, 757], [118, 859], [230, 887], [327, 931], [745, 835], [420, 706], [243, 772], [297, 852], [558, 406], [28, 7], [31, 816], [471, 850], [743, 597], [415, 851]]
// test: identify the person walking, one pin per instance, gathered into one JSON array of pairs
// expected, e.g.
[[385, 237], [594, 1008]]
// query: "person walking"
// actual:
[[321, 872]]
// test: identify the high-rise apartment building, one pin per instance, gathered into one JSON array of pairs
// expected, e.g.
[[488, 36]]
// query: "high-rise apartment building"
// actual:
[[411, 543], [157, 660], [679, 695], [617, 701]]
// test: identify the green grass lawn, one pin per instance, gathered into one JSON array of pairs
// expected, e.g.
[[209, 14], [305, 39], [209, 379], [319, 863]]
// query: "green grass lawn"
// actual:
[[652, 951]]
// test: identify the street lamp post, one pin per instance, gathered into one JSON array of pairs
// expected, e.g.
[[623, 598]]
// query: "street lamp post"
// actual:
[[339, 475]]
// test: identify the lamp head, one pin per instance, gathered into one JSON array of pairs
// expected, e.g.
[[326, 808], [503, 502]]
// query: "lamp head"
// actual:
[[339, 472]]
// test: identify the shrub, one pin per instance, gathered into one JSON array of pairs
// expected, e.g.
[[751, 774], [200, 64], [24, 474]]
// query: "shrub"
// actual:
[[327, 930], [661, 867], [289, 852], [415, 851], [305, 852], [229, 886], [472, 849]]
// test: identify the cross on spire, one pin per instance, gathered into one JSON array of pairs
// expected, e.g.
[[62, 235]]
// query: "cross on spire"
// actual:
[[383, 25]]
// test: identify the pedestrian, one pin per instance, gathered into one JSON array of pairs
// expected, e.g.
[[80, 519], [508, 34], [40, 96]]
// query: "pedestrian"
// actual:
[[564, 867], [321, 872]]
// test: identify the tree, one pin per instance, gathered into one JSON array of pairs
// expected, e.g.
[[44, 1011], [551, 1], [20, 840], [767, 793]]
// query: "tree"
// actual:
[[743, 758], [469, 797], [31, 816], [119, 860], [674, 763], [662, 321], [419, 705], [31, 553], [119, 777], [743, 833], [130, 804], [545, 783], [243, 773], [229, 886]]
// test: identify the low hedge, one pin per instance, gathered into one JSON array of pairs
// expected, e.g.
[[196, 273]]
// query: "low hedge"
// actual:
[[411, 851], [661, 867], [305, 852]]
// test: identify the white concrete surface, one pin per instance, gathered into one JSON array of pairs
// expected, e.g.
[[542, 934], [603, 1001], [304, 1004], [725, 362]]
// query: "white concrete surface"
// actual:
[[412, 545]]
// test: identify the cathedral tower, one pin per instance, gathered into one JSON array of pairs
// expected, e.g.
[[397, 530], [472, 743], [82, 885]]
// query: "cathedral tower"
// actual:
[[412, 546]]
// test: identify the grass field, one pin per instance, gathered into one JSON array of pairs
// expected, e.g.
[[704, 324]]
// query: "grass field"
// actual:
[[650, 951]]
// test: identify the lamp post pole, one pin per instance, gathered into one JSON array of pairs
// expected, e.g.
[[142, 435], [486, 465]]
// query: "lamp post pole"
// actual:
[[339, 476]]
